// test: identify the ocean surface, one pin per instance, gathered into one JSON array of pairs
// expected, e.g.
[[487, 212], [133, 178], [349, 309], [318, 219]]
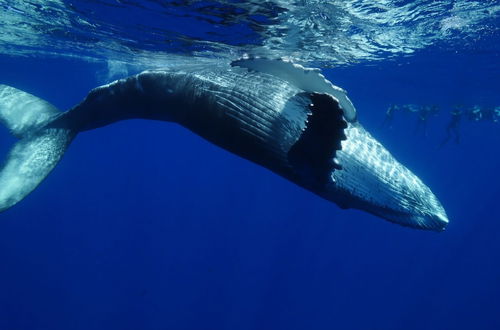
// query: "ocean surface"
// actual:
[[144, 225]]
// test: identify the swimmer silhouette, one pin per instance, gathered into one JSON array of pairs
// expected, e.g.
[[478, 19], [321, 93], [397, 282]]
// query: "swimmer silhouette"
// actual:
[[475, 113], [389, 115], [424, 113], [280, 115], [453, 127]]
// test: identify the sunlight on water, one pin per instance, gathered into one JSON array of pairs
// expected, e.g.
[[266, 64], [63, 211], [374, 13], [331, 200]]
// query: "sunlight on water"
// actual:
[[326, 33]]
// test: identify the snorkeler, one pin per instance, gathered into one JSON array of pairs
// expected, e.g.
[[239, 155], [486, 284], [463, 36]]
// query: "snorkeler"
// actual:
[[491, 114], [424, 113], [412, 108], [475, 113], [389, 115], [453, 127]]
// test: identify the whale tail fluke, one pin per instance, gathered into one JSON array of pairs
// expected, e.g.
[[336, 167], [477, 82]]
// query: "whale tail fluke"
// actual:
[[40, 145]]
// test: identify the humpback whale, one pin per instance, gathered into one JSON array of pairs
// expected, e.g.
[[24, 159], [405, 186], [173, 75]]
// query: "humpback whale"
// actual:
[[278, 114]]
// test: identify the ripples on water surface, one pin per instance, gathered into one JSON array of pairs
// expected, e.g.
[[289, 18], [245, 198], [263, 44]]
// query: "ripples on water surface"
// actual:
[[326, 33]]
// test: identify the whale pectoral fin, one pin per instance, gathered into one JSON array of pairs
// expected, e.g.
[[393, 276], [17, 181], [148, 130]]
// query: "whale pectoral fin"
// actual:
[[313, 155], [309, 80], [39, 149]]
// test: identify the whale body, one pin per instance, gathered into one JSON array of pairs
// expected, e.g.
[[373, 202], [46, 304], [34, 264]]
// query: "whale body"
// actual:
[[275, 113]]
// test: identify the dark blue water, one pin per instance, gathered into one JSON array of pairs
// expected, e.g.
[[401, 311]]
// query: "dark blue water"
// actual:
[[144, 225]]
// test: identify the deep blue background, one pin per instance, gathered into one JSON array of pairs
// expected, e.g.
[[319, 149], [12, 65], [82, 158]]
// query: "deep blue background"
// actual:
[[144, 225]]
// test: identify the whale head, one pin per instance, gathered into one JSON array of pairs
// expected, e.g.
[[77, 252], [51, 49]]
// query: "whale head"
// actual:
[[336, 158], [371, 179]]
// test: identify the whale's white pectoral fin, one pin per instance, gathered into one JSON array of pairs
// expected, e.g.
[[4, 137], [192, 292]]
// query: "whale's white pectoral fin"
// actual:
[[39, 148], [307, 79]]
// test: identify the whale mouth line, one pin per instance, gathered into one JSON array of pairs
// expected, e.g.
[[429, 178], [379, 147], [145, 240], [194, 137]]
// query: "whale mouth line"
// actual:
[[313, 156], [436, 222]]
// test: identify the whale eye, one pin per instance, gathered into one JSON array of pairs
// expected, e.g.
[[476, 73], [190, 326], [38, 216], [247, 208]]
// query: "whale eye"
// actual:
[[312, 156]]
